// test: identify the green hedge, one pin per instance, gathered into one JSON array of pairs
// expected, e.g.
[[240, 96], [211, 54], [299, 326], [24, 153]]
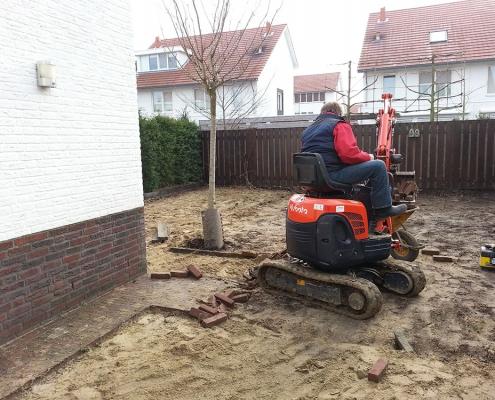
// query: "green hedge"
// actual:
[[170, 152]]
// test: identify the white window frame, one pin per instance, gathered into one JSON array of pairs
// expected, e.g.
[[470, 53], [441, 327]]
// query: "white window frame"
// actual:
[[438, 36], [490, 83], [443, 89], [389, 89], [427, 85], [159, 103], [201, 99], [162, 61]]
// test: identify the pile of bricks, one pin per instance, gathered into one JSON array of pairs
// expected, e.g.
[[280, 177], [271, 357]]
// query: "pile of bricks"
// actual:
[[191, 270], [214, 311]]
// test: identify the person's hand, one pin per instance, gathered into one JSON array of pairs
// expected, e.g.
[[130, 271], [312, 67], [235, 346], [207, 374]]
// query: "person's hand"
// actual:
[[372, 157]]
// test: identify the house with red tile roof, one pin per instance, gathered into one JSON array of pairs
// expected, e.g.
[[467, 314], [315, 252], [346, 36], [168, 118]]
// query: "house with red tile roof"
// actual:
[[265, 87], [442, 54], [312, 91]]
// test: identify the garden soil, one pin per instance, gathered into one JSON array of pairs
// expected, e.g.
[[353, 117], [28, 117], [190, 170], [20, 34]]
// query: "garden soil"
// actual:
[[279, 348]]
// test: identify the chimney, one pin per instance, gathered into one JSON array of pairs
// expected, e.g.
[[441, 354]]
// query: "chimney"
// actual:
[[382, 15], [268, 27], [157, 42]]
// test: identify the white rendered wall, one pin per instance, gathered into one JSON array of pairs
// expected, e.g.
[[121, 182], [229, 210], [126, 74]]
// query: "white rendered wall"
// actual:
[[70, 153], [277, 74], [314, 107], [477, 98], [183, 99]]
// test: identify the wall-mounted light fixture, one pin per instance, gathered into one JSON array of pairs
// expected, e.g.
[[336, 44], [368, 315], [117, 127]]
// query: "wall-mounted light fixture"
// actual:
[[46, 72]]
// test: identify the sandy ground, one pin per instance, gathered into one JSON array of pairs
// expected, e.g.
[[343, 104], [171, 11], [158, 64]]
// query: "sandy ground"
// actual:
[[276, 348]]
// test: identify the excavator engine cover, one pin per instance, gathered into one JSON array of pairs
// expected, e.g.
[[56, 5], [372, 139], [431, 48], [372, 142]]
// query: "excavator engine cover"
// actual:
[[332, 234]]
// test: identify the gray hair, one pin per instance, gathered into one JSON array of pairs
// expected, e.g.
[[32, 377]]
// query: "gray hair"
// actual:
[[332, 107]]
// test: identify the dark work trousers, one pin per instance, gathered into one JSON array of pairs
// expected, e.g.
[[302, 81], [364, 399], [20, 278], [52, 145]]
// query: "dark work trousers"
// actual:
[[374, 171]]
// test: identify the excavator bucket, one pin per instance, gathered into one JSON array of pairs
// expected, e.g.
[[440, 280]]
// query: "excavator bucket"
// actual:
[[398, 220]]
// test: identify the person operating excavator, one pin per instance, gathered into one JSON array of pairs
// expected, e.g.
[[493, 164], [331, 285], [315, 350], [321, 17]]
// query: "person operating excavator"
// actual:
[[332, 137]]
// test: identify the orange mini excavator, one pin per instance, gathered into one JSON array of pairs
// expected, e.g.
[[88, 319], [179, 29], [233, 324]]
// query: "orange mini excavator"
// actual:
[[333, 258]]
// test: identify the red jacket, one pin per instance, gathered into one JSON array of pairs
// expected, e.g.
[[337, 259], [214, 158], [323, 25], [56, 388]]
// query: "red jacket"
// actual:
[[346, 145]]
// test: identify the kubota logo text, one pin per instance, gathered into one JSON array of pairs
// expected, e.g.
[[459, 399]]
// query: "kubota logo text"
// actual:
[[298, 209]]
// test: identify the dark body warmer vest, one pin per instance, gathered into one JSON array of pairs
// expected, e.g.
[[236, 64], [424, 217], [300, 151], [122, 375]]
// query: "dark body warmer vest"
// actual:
[[318, 138]]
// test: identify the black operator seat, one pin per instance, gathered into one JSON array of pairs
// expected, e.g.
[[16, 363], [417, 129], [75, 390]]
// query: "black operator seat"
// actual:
[[311, 174]]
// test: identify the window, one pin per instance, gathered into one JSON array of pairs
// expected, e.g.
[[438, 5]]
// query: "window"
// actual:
[[280, 102], [322, 96], [389, 84], [438, 36], [297, 97], [162, 61], [491, 79], [162, 102], [425, 83], [153, 62], [201, 99], [443, 83], [172, 61], [303, 97], [309, 97]]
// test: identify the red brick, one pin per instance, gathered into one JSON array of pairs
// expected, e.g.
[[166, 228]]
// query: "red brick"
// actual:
[[70, 259], [6, 245], [208, 309], [38, 253], [213, 301], [430, 251], [20, 250], [198, 314], [180, 274], [241, 298], [214, 320], [195, 271], [30, 238], [376, 372], [443, 258], [30, 272], [160, 275], [225, 299]]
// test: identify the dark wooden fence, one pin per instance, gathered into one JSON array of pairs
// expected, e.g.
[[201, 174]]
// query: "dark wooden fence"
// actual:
[[444, 155]]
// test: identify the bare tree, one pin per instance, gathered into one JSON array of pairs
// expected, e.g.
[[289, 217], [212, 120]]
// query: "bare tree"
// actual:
[[347, 97], [216, 59]]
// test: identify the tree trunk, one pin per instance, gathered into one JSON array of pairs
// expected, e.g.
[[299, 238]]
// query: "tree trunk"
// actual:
[[212, 222]]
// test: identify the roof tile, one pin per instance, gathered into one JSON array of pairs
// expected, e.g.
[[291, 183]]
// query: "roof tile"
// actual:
[[405, 35], [244, 40]]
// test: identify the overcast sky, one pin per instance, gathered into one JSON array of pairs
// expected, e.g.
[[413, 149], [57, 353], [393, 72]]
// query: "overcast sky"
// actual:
[[325, 33]]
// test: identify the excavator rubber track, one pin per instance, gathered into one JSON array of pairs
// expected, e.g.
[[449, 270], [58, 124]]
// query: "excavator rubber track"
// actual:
[[404, 278], [352, 296]]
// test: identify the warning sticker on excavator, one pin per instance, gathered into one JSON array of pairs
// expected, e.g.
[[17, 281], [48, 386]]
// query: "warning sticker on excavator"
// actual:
[[318, 207], [301, 282], [339, 209]]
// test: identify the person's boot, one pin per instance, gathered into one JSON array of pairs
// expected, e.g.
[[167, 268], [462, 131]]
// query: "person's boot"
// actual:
[[381, 213]]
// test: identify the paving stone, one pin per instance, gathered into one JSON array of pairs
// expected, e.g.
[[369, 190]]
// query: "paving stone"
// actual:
[[225, 299], [208, 309], [430, 251], [402, 343], [195, 271], [439, 258], [241, 298], [214, 320], [376, 372], [199, 314], [180, 274], [160, 275]]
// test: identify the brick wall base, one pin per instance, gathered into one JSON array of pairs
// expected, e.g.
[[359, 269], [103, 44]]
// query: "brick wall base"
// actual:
[[48, 272]]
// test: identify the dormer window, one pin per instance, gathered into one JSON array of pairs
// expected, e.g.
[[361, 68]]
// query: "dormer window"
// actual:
[[162, 61], [438, 36]]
